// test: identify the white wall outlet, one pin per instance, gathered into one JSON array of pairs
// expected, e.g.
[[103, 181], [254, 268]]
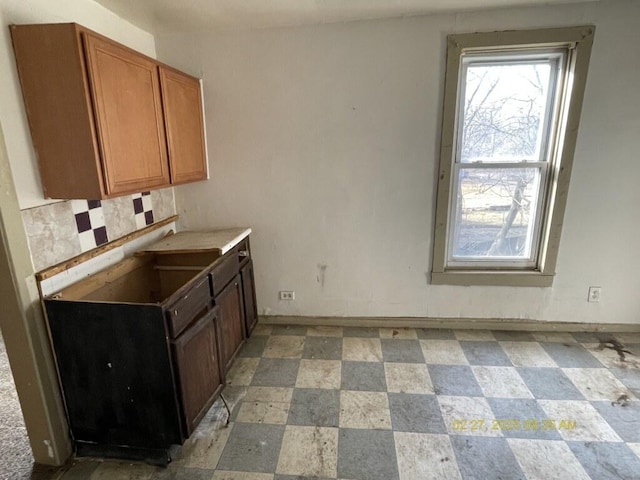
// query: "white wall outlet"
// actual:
[[594, 294], [287, 295]]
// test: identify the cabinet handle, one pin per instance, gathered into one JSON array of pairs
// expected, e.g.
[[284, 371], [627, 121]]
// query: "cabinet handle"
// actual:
[[243, 253], [175, 312]]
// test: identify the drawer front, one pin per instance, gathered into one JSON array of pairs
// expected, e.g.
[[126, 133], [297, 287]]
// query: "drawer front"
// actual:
[[184, 310], [225, 271]]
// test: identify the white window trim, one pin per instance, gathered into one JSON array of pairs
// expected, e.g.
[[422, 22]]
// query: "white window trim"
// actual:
[[580, 40]]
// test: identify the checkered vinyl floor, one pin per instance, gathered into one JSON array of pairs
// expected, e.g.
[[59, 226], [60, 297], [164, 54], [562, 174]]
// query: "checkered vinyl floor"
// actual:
[[364, 403]]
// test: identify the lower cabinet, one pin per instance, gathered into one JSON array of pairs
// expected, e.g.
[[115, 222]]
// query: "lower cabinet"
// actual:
[[142, 348], [230, 320], [198, 369]]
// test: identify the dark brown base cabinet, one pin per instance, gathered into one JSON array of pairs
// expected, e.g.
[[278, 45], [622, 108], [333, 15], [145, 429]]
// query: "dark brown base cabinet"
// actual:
[[143, 347]]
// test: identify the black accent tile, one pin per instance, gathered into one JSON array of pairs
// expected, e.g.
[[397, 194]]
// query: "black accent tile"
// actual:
[[137, 205], [454, 380], [363, 376], [323, 348], [571, 355], [403, 351], [624, 418], [296, 330], [144, 194], [100, 234], [485, 457], [549, 383], [415, 413], [435, 334], [252, 447], [525, 412], [365, 332], [276, 372], [94, 204], [606, 460], [512, 336], [367, 454], [148, 217], [485, 353], [83, 222], [311, 407], [254, 346]]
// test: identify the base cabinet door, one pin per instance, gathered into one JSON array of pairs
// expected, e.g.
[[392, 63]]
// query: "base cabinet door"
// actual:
[[230, 321], [198, 369], [249, 294]]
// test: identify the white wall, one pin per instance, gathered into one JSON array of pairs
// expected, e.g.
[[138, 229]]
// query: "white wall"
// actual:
[[325, 141], [12, 113]]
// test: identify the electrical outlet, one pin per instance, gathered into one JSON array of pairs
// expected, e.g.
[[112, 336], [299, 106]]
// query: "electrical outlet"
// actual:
[[594, 294], [287, 295]]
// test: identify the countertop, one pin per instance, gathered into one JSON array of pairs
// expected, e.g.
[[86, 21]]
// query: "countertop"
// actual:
[[220, 241]]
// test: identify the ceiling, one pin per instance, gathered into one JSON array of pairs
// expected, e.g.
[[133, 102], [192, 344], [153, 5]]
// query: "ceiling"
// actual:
[[166, 16]]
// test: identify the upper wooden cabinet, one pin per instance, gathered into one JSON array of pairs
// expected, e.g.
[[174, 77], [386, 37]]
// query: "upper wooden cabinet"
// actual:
[[106, 120]]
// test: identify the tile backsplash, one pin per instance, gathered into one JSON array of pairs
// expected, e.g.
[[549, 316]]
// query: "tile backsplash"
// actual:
[[59, 231]]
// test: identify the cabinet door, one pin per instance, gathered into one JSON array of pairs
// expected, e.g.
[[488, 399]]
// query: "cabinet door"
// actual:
[[125, 90], [182, 102], [198, 369], [249, 294], [231, 321]]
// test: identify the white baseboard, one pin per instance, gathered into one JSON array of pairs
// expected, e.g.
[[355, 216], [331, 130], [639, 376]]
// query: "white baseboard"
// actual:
[[453, 323]]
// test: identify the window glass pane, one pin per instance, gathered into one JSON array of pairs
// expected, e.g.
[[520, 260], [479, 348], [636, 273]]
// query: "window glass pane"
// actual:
[[505, 105], [495, 213]]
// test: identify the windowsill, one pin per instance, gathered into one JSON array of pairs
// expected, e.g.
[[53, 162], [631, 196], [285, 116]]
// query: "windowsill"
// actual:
[[492, 278]]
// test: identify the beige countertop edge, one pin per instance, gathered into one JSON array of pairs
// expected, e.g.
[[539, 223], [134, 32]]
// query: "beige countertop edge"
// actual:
[[236, 240], [186, 241]]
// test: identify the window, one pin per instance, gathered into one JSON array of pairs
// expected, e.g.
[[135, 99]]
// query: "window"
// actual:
[[510, 119]]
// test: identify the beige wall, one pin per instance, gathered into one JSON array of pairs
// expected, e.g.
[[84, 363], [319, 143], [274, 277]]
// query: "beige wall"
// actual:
[[325, 139]]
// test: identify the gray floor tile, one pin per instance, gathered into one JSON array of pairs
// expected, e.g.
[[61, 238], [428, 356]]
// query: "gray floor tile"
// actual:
[[415, 413], [571, 355], [252, 447], [80, 470], [311, 406], [630, 377], [404, 351], [276, 372], [367, 454], [298, 330], [485, 353], [254, 346], [512, 336], [549, 384], [625, 420], [363, 376], [298, 477], [592, 337], [485, 458], [183, 473], [323, 348], [607, 461], [435, 334], [367, 332], [528, 416], [454, 380]]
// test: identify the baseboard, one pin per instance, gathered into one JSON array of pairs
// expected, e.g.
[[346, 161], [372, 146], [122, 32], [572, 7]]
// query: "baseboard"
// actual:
[[454, 323]]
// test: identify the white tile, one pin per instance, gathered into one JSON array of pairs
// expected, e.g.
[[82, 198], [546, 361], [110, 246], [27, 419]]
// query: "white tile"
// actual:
[[228, 475], [501, 382], [203, 452], [443, 352], [309, 451], [242, 371], [554, 337], [527, 354], [635, 447], [275, 413], [269, 394], [408, 378], [630, 337], [468, 416], [325, 374], [597, 383], [581, 420], [284, 346], [123, 471], [78, 206], [474, 335], [610, 358], [96, 216], [368, 410], [321, 331], [357, 349], [146, 203], [545, 459], [425, 456], [87, 240], [140, 221]]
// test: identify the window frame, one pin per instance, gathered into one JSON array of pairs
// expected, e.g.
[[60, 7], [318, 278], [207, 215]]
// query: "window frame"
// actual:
[[578, 42]]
